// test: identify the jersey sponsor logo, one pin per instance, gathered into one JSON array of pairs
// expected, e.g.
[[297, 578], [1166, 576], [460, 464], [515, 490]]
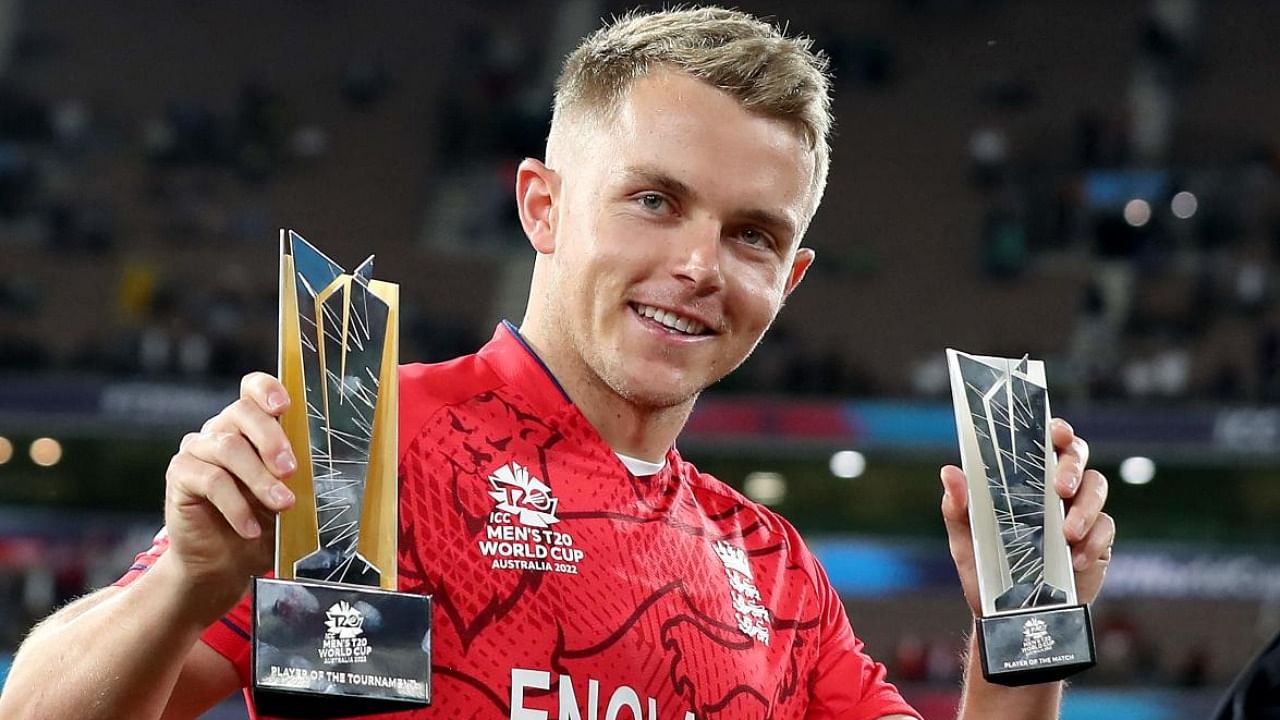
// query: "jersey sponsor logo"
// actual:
[[622, 702], [519, 534], [753, 617]]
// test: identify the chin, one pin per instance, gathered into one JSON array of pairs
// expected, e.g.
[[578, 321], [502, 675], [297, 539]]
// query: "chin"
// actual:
[[657, 395]]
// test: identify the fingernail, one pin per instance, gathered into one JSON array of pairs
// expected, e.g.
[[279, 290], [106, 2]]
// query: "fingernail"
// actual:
[[1078, 561], [251, 528], [281, 495], [276, 400], [285, 461]]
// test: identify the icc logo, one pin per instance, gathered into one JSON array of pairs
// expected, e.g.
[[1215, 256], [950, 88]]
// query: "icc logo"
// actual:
[[343, 621], [524, 496]]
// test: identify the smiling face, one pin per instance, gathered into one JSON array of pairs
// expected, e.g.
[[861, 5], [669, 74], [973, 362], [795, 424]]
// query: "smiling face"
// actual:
[[670, 241]]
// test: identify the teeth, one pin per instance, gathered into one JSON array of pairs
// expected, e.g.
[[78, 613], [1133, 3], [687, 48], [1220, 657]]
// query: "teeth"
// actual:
[[670, 319]]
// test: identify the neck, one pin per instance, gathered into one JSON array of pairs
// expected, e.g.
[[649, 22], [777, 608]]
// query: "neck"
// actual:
[[629, 428]]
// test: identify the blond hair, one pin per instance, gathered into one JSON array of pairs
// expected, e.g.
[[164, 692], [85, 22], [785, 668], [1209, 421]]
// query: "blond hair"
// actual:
[[768, 73]]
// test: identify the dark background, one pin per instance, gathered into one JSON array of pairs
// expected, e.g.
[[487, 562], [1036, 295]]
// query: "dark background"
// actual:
[[1092, 183]]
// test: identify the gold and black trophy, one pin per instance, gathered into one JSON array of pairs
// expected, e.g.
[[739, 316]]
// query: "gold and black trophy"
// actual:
[[1032, 627], [331, 636]]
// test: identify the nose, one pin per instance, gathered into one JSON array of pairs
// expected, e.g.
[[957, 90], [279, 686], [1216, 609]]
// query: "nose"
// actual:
[[697, 258]]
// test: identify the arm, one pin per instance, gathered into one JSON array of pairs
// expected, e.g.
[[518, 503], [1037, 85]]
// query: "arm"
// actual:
[[124, 651], [1090, 533], [981, 699], [118, 653]]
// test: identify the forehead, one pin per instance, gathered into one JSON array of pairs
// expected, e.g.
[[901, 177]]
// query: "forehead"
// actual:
[[704, 138]]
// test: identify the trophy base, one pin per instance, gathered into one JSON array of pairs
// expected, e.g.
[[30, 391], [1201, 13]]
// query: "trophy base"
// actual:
[[1036, 646], [330, 650]]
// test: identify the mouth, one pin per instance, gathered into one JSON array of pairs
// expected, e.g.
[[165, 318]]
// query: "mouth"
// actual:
[[670, 321]]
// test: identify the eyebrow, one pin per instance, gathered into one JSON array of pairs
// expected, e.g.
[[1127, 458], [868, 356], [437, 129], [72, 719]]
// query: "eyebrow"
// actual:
[[659, 180], [665, 182]]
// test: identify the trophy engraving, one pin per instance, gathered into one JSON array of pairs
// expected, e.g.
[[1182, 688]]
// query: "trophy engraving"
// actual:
[[341, 363], [331, 637], [1032, 627]]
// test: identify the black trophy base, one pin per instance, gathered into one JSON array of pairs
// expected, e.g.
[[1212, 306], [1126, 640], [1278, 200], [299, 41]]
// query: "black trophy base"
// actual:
[[1036, 646], [325, 650]]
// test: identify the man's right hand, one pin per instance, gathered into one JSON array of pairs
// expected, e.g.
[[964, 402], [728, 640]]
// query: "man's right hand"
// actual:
[[223, 489]]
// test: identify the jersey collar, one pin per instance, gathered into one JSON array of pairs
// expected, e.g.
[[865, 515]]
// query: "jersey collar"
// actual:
[[516, 363], [519, 366]]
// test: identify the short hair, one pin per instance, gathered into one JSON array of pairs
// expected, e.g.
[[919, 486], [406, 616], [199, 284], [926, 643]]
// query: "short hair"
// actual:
[[767, 72]]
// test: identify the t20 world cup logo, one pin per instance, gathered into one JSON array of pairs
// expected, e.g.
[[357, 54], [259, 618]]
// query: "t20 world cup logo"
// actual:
[[527, 498]]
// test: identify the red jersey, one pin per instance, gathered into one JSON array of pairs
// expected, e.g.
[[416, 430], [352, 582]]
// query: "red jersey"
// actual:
[[566, 587]]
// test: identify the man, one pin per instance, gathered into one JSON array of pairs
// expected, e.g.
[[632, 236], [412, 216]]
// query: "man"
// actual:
[[1255, 693], [686, 158]]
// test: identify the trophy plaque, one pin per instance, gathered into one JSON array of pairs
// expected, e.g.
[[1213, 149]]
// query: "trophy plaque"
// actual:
[[1032, 628], [331, 636]]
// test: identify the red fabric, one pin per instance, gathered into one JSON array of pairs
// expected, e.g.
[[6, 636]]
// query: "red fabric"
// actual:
[[668, 596]]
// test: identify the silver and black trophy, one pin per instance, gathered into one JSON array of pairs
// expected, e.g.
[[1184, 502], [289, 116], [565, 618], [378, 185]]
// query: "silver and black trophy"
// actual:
[[331, 636], [1032, 627]]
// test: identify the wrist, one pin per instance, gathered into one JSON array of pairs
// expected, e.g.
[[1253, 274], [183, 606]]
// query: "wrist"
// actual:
[[983, 699], [189, 600]]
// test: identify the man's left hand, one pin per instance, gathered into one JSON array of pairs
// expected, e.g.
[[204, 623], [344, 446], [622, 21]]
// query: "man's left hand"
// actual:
[[1089, 531]]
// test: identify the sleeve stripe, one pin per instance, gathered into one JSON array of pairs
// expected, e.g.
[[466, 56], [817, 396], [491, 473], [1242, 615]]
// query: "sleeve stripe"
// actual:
[[235, 628]]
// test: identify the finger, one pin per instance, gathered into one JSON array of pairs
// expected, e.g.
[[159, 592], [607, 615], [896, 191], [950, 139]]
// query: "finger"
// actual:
[[1096, 547], [264, 433], [955, 495], [1086, 505], [233, 452], [266, 391], [1072, 461], [1061, 433], [193, 479], [955, 514]]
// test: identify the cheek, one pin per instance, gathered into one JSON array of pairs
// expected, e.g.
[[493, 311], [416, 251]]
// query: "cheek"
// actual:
[[757, 292]]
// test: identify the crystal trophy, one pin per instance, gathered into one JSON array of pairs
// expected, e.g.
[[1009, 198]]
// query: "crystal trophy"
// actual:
[[331, 636], [1031, 628]]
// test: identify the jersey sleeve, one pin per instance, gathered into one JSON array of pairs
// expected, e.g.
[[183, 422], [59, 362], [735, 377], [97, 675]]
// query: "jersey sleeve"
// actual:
[[229, 636], [143, 561], [847, 684]]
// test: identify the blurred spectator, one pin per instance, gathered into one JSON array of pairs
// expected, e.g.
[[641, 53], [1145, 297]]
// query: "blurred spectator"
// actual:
[[988, 156], [911, 659], [1125, 654], [1192, 670]]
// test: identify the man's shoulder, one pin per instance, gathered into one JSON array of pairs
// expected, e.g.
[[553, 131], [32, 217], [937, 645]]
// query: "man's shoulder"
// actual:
[[447, 382], [426, 388], [723, 500]]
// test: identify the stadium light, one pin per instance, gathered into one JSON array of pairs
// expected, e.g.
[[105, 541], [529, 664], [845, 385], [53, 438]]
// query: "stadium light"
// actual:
[[1137, 212], [1137, 470], [6, 450], [1184, 205], [46, 451], [848, 464], [766, 488]]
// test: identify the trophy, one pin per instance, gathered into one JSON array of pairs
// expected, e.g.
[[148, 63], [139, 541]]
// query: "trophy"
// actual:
[[331, 637], [1032, 628]]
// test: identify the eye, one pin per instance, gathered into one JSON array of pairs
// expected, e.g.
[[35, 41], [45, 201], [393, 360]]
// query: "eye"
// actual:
[[755, 238], [653, 202]]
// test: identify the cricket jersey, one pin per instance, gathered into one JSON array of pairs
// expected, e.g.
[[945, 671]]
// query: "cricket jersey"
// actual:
[[567, 588]]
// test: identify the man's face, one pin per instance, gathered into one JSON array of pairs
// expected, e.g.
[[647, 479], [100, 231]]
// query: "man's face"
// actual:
[[676, 241]]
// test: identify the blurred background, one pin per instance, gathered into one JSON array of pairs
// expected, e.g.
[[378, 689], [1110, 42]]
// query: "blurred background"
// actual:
[[1094, 183]]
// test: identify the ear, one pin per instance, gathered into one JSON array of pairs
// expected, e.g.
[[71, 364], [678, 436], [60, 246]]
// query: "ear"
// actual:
[[537, 187], [799, 266]]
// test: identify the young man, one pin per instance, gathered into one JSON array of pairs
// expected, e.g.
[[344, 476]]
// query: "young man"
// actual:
[[687, 156]]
